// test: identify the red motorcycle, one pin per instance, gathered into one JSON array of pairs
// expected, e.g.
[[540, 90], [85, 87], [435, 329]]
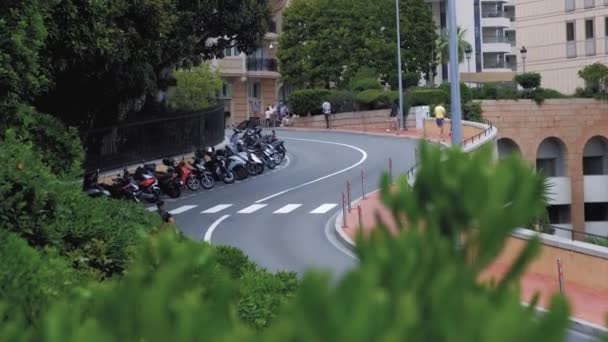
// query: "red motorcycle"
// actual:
[[184, 173]]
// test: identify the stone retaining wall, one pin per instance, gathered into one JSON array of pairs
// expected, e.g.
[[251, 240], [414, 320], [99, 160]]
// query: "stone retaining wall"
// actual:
[[364, 120]]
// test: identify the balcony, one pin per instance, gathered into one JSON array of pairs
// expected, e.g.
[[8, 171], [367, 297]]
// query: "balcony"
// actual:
[[560, 190], [589, 4], [571, 49], [262, 67], [497, 44], [570, 5], [597, 228], [590, 47], [595, 189], [495, 19]]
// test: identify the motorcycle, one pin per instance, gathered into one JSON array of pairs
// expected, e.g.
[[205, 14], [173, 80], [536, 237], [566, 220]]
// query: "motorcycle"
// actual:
[[253, 164], [218, 165], [185, 174], [92, 187], [148, 183], [124, 187], [204, 176]]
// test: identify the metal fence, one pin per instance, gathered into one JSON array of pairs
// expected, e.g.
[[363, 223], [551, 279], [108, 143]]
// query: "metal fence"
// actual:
[[116, 146], [579, 236]]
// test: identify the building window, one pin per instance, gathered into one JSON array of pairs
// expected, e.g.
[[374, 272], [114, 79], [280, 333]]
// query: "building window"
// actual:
[[547, 166], [589, 37], [226, 92], [589, 3], [570, 40], [570, 5], [231, 51], [596, 212], [255, 90], [559, 214]]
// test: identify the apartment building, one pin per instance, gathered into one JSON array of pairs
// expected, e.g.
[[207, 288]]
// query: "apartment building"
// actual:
[[561, 37], [252, 82], [489, 28]]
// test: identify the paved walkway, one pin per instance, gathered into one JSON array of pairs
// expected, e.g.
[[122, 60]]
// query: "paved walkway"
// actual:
[[587, 304]]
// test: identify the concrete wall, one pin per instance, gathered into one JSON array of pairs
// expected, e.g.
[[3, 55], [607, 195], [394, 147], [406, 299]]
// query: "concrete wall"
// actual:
[[541, 28], [364, 120], [572, 121], [431, 130]]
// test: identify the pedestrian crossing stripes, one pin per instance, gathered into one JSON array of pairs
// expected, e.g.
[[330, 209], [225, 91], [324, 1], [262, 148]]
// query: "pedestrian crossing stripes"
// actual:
[[288, 208], [285, 209], [324, 208], [182, 209], [252, 209], [217, 209]]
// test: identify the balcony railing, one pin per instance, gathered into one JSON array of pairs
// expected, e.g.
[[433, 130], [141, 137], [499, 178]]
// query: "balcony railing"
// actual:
[[570, 5], [571, 49], [589, 3], [494, 65], [590, 47], [261, 64], [498, 39], [494, 14]]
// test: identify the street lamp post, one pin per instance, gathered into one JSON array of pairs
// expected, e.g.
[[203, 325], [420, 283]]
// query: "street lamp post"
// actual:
[[524, 55], [401, 114], [468, 51], [454, 76]]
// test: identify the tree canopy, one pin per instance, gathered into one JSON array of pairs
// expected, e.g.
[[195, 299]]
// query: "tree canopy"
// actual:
[[327, 41], [102, 58]]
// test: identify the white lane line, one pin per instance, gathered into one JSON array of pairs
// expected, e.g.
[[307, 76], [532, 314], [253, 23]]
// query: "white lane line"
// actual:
[[213, 226], [324, 208], [331, 237], [287, 209], [182, 209], [252, 208], [363, 158], [216, 209]]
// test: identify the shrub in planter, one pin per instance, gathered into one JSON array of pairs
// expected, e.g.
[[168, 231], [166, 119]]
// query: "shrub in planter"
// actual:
[[528, 80], [472, 111], [342, 101], [365, 84], [427, 97], [373, 99], [465, 91], [308, 101], [595, 77]]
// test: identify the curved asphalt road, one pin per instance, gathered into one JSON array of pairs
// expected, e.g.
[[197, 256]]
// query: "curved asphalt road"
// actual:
[[313, 177]]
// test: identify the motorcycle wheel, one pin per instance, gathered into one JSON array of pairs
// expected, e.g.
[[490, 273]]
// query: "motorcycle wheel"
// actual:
[[259, 168], [252, 169], [175, 191], [193, 183], [154, 198], [270, 163], [207, 182], [229, 177], [282, 154], [277, 158]]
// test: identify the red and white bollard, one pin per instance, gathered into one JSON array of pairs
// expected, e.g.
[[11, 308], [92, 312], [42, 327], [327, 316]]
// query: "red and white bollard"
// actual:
[[560, 272], [390, 169], [362, 184], [348, 194], [360, 217], [344, 225]]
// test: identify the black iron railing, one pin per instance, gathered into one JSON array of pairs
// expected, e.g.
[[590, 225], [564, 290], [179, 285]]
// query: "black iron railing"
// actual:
[[117, 146], [478, 137], [261, 64], [579, 236]]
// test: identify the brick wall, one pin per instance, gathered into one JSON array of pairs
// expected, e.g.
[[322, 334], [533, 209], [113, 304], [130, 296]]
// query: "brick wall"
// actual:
[[573, 121]]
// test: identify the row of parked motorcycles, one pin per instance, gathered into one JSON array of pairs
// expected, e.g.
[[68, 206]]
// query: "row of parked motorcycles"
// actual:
[[248, 153]]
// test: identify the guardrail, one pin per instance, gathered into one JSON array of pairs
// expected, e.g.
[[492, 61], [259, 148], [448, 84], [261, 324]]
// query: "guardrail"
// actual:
[[582, 236], [112, 147], [466, 142]]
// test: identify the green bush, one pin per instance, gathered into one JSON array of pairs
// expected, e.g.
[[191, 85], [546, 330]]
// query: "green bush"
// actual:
[[465, 92], [373, 99], [342, 101], [539, 95], [365, 84], [427, 97], [308, 101], [94, 234], [30, 279], [596, 77], [529, 80], [234, 260], [196, 88], [472, 111], [57, 146], [494, 92]]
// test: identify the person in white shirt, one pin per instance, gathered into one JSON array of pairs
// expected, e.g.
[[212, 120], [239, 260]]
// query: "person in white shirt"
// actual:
[[326, 106], [267, 115]]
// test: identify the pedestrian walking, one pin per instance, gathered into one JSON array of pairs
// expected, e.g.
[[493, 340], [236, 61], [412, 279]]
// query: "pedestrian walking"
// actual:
[[326, 106], [440, 118], [267, 116], [395, 115]]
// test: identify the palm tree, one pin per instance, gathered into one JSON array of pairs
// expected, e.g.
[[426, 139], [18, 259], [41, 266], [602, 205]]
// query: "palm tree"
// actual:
[[443, 45]]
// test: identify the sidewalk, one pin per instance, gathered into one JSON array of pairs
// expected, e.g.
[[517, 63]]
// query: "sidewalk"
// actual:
[[586, 303]]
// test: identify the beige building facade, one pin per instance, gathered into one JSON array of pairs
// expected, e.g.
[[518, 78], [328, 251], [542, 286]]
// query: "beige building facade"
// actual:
[[568, 140], [562, 37], [252, 82]]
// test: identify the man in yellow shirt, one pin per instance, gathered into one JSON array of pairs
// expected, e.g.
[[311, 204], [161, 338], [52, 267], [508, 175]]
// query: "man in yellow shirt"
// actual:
[[439, 118]]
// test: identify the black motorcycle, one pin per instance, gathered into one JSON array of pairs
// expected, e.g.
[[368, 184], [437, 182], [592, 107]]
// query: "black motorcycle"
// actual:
[[204, 176], [217, 165], [92, 187]]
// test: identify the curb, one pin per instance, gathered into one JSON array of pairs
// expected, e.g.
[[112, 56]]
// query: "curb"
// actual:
[[322, 130], [578, 325]]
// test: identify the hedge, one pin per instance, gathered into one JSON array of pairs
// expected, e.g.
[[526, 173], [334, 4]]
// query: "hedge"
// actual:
[[465, 92], [373, 99], [365, 84], [308, 101], [529, 80], [427, 97]]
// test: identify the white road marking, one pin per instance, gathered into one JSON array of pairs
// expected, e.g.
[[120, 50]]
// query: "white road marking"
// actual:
[[324, 208], [287, 209], [363, 158], [213, 226], [151, 209], [331, 237], [252, 208], [182, 209], [216, 209]]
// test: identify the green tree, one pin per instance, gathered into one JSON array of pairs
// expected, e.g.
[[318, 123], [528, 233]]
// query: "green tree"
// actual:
[[596, 77], [196, 88], [444, 48], [322, 44]]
